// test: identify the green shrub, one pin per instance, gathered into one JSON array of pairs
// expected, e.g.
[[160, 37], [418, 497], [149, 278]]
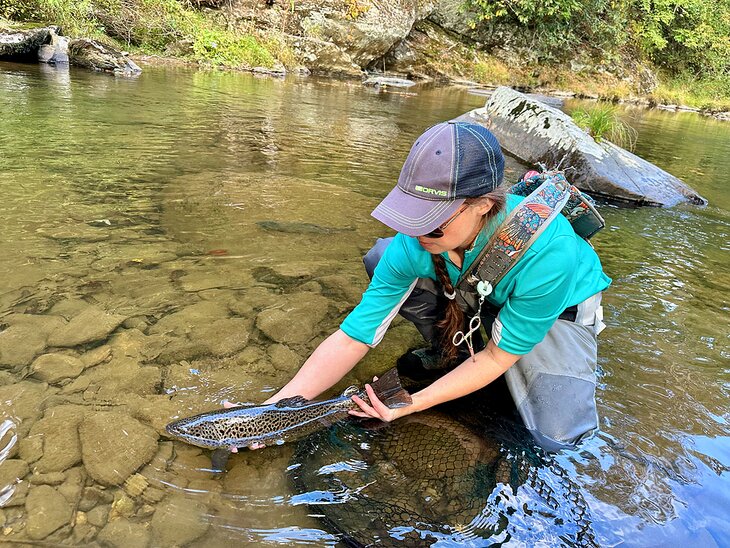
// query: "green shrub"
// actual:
[[225, 48], [603, 122]]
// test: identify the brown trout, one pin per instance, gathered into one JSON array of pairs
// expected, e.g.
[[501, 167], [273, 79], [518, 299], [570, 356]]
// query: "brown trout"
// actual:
[[284, 421]]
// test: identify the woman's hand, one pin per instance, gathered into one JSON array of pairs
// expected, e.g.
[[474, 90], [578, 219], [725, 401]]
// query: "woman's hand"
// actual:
[[377, 409]]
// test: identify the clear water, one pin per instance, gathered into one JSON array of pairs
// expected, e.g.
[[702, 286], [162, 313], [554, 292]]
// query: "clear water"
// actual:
[[145, 197]]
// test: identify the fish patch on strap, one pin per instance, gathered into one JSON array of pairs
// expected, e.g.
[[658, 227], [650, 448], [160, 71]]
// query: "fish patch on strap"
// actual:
[[580, 209]]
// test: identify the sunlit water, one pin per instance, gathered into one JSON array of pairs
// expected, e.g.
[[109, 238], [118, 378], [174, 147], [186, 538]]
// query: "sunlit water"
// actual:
[[221, 218]]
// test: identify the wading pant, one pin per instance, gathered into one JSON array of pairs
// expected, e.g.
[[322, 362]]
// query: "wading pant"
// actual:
[[554, 386]]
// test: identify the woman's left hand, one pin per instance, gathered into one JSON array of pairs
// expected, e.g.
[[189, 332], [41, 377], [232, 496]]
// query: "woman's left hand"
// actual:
[[376, 409]]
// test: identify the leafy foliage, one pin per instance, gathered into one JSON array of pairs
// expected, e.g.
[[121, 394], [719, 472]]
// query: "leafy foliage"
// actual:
[[684, 34], [224, 48], [676, 34], [151, 25]]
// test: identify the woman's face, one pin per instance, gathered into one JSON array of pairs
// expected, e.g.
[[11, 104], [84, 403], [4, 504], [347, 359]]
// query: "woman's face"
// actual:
[[461, 230]]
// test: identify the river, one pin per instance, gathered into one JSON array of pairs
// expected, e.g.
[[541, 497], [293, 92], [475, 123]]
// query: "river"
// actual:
[[209, 226]]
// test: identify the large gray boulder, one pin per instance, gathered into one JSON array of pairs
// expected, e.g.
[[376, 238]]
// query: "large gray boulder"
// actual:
[[56, 51], [337, 37], [22, 44], [94, 55], [538, 134]]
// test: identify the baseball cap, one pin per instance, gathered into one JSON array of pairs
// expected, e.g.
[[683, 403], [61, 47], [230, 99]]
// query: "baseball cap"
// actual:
[[450, 162]]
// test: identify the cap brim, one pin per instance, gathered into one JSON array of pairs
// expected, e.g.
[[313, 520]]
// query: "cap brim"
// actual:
[[414, 216]]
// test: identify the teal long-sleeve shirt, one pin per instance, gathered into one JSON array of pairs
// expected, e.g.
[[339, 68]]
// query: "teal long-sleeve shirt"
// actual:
[[559, 270]]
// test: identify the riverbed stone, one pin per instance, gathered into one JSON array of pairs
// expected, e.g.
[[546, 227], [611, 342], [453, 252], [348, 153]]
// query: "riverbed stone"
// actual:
[[253, 299], [116, 381], [343, 288], [224, 337], [98, 515], [284, 358], [52, 368], [539, 134], [296, 319], [30, 449], [183, 321], [73, 487], [94, 496], [19, 344], [90, 325], [52, 478], [114, 446], [23, 401], [122, 533], [47, 510], [220, 278], [58, 430], [100, 354], [179, 521], [13, 485]]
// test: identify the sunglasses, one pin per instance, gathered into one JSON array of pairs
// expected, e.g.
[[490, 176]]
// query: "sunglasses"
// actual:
[[439, 232]]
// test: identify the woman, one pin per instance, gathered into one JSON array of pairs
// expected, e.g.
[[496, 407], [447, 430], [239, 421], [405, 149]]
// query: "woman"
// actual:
[[447, 204]]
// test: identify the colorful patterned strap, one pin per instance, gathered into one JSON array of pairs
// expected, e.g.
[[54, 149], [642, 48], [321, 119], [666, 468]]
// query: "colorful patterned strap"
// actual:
[[580, 210], [515, 235]]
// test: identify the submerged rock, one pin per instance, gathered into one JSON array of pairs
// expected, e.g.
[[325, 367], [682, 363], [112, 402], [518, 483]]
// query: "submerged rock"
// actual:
[[58, 430], [25, 337], [13, 488], [179, 521], [53, 368], [90, 325], [114, 446], [224, 337], [19, 344], [385, 81], [537, 133], [296, 320], [122, 533], [47, 510]]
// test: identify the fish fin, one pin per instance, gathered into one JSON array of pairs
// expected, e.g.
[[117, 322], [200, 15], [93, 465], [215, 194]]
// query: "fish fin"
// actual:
[[294, 401], [219, 459], [389, 390]]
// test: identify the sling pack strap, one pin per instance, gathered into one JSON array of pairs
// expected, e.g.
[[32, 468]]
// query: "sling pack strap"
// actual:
[[510, 241]]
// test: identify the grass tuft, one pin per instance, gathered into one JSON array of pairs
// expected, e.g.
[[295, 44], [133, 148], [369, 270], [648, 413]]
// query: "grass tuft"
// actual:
[[603, 122]]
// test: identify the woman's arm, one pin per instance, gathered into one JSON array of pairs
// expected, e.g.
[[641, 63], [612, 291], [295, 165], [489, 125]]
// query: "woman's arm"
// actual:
[[331, 361], [466, 378]]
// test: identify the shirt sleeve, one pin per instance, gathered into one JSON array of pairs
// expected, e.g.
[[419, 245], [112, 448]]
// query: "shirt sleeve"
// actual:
[[393, 281], [541, 293]]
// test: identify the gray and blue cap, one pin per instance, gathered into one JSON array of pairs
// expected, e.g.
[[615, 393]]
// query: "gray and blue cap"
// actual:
[[450, 162]]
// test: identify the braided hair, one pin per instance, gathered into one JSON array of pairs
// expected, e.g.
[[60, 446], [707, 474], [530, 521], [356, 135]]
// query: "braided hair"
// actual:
[[453, 319]]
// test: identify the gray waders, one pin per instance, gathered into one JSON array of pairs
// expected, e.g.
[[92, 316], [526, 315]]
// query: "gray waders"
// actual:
[[553, 387]]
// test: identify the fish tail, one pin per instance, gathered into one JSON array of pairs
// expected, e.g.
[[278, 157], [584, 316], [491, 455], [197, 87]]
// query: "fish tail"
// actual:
[[389, 390]]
